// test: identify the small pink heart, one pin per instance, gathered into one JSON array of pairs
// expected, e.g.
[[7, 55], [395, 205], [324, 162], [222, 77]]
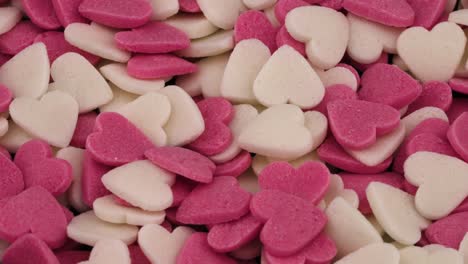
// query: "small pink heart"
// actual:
[[333, 93], [158, 66], [437, 94], [184, 162], [459, 85], [91, 184], [117, 13], [35, 159], [283, 7], [448, 231], [396, 13], [310, 181], [331, 152], [6, 96], [19, 37], [356, 124], [72, 257], [217, 202], [189, 6], [233, 235], [84, 127], [278, 210], [254, 24], [154, 37], [458, 135], [41, 13], [197, 250], [321, 250], [115, 141], [181, 189], [217, 113], [427, 13], [359, 183], [11, 178], [236, 166], [284, 38], [34, 211], [67, 12], [31, 247], [387, 84]]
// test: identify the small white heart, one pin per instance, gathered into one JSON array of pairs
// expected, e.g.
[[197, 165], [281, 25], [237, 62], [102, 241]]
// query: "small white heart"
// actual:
[[52, 118], [14, 137], [381, 253], [28, 72], [194, 25], [288, 78], [160, 246], [119, 99], [459, 16], [336, 189], [417, 255], [150, 189], [109, 251], [442, 182], [434, 55], [259, 162], [414, 119], [338, 75], [212, 45], [163, 9], [223, 14], [396, 213], [9, 17]]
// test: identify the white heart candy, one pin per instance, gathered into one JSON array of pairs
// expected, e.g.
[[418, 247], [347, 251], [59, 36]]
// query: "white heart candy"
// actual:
[[117, 74], [163, 9], [317, 123], [279, 132], [243, 115], [52, 118], [97, 40], [243, 66], [417, 255], [459, 17], [324, 30], [149, 113], [223, 14], [396, 213], [160, 246], [381, 253], [368, 39], [336, 189], [207, 79], [186, 122], [414, 119], [74, 156], [434, 55], [88, 229], [150, 187], [383, 148], [338, 75], [463, 249], [73, 74], [349, 228], [194, 25], [288, 78], [28, 72], [119, 99], [270, 14], [442, 181], [259, 4], [212, 45], [109, 251], [14, 137], [107, 209], [9, 17]]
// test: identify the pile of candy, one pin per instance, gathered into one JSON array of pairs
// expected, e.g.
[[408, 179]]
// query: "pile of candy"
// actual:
[[233, 131]]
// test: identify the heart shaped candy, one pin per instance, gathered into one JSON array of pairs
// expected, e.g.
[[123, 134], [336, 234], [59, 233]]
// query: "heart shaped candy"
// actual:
[[397, 13], [337, 189], [436, 94], [222, 15], [438, 233], [194, 25], [236, 166], [284, 38], [382, 253], [158, 66], [18, 38], [31, 246], [161, 246], [67, 12], [10, 16], [457, 135], [52, 118], [339, 75], [254, 24], [11, 178], [427, 13], [412, 120], [41, 13], [109, 251], [434, 255], [197, 250]]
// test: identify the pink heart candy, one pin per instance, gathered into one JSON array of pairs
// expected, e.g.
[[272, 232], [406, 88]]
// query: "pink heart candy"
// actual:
[[115, 141], [180, 190], [236, 166], [29, 249], [67, 12], [233, 235], [137, 256], [184, 162], [40, 168], [197, 250], [11, 178], [34, 211], [284, 38], [220, 201], [84, 127], [387, 84], [217, 113], [396, 13], [310, 181], [448, 231], [427, 12], [41, 13], [321, 250], [333, 4], [19, 37], [6, 96], [458, 135], [117, 13], [154, 37], [189, 6], [458, 107], [356, 124], [91, 184], [57, 46], [459, 85], [333, 93], [437, 94], [158, 66], [331, 152], [290, 221], [283, 7], [359, 183], [72, 257], [254, 24]]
